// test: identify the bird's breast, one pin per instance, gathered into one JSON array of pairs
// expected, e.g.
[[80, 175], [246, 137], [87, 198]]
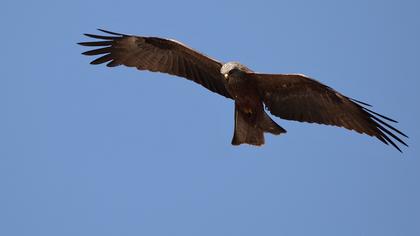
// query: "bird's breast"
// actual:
[[244, 92]]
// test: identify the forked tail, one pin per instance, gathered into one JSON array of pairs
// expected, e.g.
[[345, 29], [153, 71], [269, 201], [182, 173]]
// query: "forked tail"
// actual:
[[250, 128]]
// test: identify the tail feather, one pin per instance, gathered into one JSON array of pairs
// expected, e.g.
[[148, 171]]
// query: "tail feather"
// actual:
[[250, 129], [268, 125], [245, 131]]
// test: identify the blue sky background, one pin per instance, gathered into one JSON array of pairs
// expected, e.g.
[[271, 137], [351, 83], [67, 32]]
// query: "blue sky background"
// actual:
[[88, 150]]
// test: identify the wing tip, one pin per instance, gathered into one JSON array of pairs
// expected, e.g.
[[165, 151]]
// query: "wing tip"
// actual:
[[384, 134], [110, 32], [360, 102]]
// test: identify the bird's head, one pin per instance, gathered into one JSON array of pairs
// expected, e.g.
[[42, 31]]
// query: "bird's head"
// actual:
[[233, 68]]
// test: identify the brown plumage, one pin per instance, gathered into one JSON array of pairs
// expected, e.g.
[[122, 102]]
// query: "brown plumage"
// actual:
[[158, 55], [288, 96]]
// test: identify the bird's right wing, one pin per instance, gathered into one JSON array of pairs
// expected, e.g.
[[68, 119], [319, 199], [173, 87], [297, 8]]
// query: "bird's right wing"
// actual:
[[158, 55]]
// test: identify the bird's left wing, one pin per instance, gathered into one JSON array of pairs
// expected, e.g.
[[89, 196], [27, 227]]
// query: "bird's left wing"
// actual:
[[158, 55], [297, 97]]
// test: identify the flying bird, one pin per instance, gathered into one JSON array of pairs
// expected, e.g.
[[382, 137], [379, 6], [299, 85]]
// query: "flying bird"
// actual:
[[288, 96]]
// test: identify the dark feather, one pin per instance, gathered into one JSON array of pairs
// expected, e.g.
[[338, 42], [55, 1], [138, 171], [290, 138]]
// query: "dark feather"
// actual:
[[102, 59], [357, 101], [297, 97], [386, 118], [158, 54], [113, 63], [96, 44], [113, 33], [97, 51], [101, 37]]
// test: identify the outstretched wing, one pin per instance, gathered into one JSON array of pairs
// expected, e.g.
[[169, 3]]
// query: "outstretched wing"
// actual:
[[297, 97], [158, 55]]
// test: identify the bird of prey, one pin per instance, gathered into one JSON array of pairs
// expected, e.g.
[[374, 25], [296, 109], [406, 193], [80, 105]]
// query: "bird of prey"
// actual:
[[288, 96]]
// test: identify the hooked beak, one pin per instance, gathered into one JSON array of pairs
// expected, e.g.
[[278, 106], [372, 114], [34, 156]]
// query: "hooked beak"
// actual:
[[226, 76]]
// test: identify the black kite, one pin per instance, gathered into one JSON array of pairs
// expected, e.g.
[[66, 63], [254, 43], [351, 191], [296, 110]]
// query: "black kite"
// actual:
[[288, 96]]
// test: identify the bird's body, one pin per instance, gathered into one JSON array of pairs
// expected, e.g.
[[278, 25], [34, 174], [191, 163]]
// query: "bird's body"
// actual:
[[244, 92], [288, 96], [251, 121]]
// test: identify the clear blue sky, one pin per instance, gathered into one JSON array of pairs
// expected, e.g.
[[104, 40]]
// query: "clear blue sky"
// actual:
[[88, 150]]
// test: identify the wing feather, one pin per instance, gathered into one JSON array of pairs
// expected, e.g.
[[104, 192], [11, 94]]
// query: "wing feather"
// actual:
[[297, 97], [102, 59], [96, 44], [159, 55], [181, 66], [97, 51]]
